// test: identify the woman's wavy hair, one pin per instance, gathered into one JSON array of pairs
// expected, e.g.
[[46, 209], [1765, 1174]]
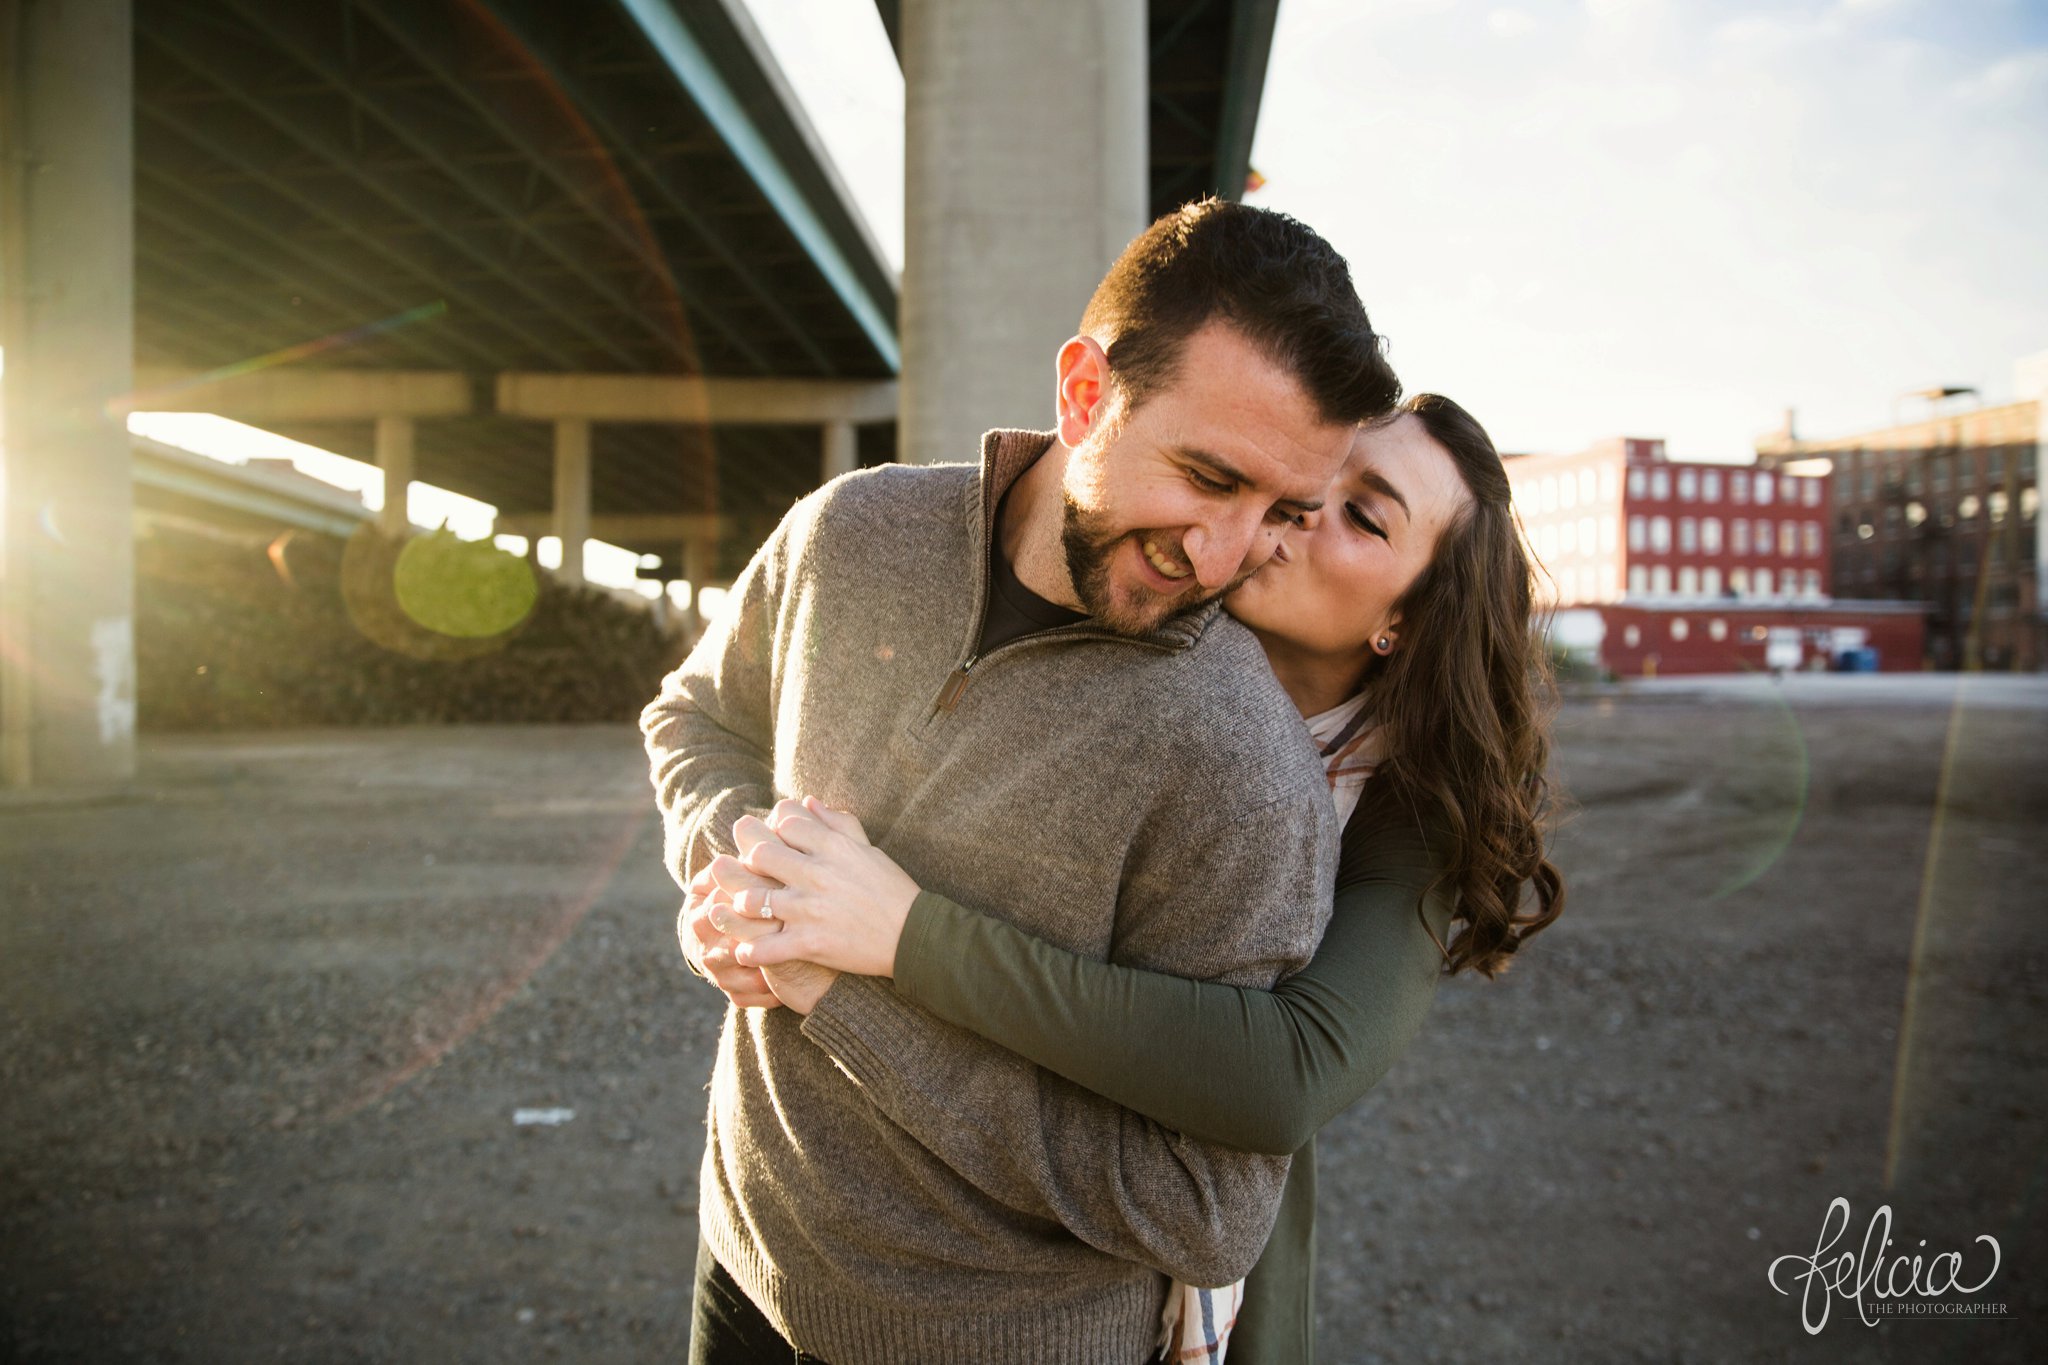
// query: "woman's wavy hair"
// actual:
[[1465, 704]]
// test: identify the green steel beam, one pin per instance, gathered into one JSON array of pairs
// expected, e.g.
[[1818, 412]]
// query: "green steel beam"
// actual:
[[751, 146]]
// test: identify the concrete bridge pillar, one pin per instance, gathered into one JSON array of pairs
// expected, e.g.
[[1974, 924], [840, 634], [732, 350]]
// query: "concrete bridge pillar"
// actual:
[[67, 289], [841, 453], [572, 494], [1024, 177], [394, 450]]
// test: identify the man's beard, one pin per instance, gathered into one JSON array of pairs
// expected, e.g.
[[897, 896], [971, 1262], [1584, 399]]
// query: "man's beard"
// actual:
[[1090, 546]]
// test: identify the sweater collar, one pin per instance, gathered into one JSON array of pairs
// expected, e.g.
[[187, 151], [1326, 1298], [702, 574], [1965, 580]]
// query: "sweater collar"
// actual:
[[1005, 454]]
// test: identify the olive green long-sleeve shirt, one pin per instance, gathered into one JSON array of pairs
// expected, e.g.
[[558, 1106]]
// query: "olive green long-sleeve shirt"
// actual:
[[1275, 1065]]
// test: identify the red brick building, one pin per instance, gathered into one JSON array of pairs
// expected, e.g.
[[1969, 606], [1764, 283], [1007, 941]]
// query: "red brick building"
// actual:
[[1620, 522], [1666, 566]]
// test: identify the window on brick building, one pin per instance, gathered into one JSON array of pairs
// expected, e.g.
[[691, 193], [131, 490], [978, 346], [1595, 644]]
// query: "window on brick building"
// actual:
[[1762, 536], [2030, 503], [1738, 540], [1717, 629], [1638, 533], [1660, 484], [1810, 493], [1660, 580], [1788, 488], [1679, 628], [1547, 493], [1938, 473], [1586, 487], [1660, 534], [1631, 636], [1788, 538], [1999, 504], [1968, 508], [1710, 581], [1710, 485], [1688, 581], [1607, 480], [1916, 512], [1762, 579], [1567, 491], [1710, 535], [1568, 537], [1688, 485], [1636, 482], [1586, 534], [1813, 582], [1738, 488], [1812, 530], [1688, 535], [1607, 533], [1638, 580], [1763, 488], [1738, 581]]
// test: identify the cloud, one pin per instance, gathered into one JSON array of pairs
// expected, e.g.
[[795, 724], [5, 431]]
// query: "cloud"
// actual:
[[1510, 23], [2006, 82], [1777, 33], [1620, 11]]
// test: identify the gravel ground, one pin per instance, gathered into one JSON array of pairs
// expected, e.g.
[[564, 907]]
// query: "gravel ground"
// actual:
[[269, 1016]]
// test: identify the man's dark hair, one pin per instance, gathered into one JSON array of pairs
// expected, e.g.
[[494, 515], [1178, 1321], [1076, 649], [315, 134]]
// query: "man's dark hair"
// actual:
[[1266, 274]]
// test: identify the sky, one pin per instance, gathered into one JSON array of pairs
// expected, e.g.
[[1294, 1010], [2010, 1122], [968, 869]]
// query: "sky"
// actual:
[[1608, 217]]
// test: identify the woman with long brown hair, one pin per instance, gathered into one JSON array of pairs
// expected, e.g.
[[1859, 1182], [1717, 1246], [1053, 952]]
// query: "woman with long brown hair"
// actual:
[[1399, 620]]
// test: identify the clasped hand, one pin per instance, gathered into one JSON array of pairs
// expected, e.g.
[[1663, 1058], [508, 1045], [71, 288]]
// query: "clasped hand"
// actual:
[[808, 897]]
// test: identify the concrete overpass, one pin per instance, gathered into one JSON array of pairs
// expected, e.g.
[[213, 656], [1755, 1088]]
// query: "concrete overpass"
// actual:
[[587, 263]]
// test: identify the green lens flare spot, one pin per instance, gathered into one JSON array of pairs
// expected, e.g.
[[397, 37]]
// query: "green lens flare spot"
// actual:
[[469, 589]]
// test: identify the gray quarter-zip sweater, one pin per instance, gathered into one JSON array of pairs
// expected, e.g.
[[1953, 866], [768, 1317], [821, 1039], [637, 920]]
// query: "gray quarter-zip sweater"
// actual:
[[889, 1189]]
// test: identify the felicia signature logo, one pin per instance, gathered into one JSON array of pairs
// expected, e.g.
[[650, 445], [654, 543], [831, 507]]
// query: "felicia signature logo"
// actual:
[[1852, 1273]]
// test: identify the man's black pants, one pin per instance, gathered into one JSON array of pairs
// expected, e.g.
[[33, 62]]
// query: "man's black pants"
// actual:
[[726, 1328]]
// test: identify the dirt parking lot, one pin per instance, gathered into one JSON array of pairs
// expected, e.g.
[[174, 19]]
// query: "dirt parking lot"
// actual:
[[270, 1017]]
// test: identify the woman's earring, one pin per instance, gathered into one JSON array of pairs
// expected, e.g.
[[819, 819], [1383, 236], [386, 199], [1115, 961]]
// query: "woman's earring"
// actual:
[[1384, 645]]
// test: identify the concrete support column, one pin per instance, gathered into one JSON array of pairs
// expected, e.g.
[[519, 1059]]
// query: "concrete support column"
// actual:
[[700, 560], [841, 452], [67, 566], [394, 450], [1024, 177], [572, 495]]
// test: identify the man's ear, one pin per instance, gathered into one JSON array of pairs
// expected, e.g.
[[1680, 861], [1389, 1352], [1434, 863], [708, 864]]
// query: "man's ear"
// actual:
[[1083, 394]]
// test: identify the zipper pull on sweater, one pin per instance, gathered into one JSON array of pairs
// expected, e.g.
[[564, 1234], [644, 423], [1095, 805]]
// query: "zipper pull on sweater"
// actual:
[[956, 683]]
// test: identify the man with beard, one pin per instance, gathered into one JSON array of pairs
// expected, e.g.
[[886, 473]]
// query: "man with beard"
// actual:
[[1018, 678]]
